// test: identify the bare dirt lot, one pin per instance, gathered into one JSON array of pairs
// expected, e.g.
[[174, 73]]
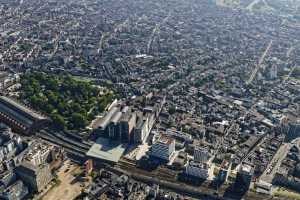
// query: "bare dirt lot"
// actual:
[[68, 188]]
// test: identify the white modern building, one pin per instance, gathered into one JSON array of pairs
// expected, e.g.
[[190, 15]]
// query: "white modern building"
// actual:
[[201, 154], [37, 153], [198, 170], [264, 187], [163, 148], [273, 72]]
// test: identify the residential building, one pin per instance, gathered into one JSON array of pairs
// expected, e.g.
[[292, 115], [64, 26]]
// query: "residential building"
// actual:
[[163, 148], [201, 154], [244, 177], [16, 191], [198, 170], [35, 177], [38, 153]]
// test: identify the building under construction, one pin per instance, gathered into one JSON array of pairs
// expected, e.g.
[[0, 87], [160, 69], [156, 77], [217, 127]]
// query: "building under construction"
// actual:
[[19, 117]]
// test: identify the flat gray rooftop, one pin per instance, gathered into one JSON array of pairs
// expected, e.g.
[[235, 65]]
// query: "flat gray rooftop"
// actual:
[[107, 150]]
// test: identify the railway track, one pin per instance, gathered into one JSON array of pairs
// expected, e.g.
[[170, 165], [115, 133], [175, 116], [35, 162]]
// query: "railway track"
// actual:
[[131, 168], [66, 139], [71, 148]]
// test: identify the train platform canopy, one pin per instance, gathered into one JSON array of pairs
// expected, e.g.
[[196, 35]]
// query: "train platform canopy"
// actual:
[[21, 118], [106, 150]]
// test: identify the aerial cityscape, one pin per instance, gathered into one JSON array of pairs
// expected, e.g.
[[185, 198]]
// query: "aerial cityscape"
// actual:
[[149, 99]]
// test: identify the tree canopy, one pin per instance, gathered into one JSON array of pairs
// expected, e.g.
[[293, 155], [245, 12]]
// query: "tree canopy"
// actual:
[[69, 102]]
